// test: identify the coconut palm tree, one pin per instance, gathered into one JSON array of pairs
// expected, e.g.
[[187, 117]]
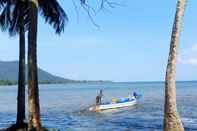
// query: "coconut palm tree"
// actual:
[[172, 121], [54, 15], [14, 21], [17, 20]]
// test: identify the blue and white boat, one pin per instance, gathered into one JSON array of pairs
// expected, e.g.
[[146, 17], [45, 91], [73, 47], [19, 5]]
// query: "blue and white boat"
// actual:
[[116, 103]]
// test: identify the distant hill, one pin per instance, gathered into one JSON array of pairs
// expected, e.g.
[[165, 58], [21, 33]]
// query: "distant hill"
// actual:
[[9, 72]]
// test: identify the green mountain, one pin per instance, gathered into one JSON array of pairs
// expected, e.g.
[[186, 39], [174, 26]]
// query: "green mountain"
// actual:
[[9, 73]]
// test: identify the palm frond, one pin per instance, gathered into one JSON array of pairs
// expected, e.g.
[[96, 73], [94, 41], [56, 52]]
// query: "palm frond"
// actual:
[[14, 13], [19, 17], [14, 28], [2, 2], [53, 14], [5, 18]]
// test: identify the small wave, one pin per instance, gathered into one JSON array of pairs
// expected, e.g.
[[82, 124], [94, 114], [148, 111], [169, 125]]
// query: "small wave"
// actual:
[[191, 124], [189, 120]]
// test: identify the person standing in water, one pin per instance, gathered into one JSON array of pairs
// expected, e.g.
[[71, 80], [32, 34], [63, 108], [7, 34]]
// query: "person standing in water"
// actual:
[[99, 97]]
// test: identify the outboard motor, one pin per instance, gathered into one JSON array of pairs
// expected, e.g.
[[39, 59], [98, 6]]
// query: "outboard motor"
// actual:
[[137, 96]]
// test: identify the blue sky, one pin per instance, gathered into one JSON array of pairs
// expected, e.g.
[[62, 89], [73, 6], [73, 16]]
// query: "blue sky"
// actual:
[[131, 44]]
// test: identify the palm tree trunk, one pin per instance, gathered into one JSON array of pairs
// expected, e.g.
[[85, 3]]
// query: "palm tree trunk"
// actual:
[[172, 121], [33, 90], [21, 79]]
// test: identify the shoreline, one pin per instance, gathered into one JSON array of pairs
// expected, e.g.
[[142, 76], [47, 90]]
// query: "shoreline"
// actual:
[[14, 83]]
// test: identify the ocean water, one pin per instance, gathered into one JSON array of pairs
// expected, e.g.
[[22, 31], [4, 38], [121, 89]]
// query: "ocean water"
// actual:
[[65, 107]]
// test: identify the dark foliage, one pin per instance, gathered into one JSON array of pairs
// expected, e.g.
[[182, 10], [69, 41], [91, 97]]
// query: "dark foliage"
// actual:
[[13, 11], [53, 14]]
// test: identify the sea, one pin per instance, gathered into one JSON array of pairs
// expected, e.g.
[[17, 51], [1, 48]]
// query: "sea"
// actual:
[[65, 106]]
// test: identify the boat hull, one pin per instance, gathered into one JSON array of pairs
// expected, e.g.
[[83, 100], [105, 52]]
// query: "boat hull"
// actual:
[[112, 106]]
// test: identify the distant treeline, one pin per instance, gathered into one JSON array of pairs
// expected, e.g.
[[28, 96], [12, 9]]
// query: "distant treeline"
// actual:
[[9, 82]]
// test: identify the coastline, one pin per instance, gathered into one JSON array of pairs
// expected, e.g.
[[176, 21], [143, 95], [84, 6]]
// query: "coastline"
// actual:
[[11, 83]]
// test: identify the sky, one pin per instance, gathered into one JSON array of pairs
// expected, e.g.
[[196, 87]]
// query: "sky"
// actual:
[[130, 44]]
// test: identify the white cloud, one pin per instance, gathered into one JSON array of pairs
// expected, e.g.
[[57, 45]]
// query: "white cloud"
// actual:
[[194, 47], [188, 56], [192, 61]]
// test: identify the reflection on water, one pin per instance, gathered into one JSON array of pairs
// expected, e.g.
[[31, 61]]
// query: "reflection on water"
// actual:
[[66, 107]]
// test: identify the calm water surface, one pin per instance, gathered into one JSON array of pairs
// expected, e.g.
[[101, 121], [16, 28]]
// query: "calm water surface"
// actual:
[[65, 107]]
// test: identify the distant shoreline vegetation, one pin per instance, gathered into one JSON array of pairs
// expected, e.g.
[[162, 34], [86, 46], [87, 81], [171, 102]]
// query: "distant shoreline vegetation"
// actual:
[[10, 82], [7, 82]]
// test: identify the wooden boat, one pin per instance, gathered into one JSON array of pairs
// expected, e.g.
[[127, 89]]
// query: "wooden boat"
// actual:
[[114, 105]]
